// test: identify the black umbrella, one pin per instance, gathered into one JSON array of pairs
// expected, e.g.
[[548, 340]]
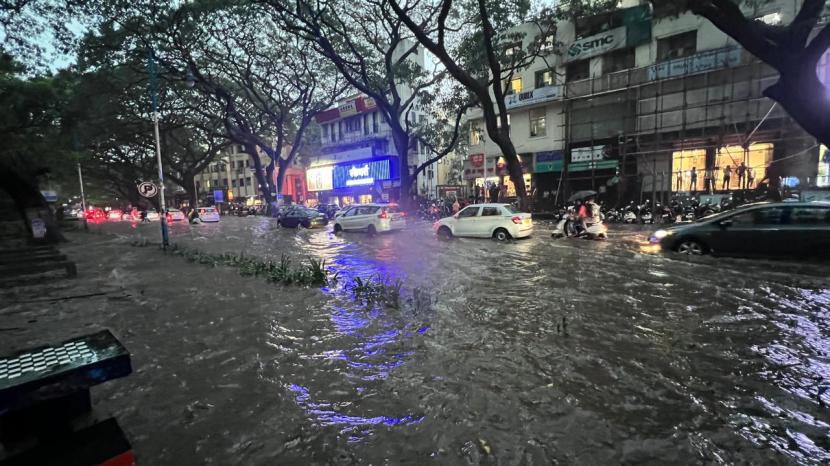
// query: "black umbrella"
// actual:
[[579, 195]]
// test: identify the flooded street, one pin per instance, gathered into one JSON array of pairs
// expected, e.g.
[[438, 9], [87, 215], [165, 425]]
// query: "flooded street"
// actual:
[[537, 351]]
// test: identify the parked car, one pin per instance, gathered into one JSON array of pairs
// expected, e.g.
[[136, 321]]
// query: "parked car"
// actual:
[[371, 218], [152, 215], [795, 229], [300, 216], [330, 210], [499, 221], [208, 214], [115, 214], [175, 215]]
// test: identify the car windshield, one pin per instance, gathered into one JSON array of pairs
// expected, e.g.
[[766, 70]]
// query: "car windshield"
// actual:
[[513, 210]]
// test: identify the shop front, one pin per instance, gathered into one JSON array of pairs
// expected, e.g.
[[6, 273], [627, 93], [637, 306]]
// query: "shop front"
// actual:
[[492, 171], [354, 182], [691, 168], [593, 168]]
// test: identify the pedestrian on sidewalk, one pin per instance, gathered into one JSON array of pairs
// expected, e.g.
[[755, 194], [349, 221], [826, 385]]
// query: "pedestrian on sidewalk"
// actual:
[[456, 206], [741, 171], [750, 177], [693, 180], [727, 175]]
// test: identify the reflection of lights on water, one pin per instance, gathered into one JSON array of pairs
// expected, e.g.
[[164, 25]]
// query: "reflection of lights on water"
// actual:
[[326, 415]]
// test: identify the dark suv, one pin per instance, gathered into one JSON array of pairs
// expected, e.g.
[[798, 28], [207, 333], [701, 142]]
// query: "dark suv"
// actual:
[[791, 229]]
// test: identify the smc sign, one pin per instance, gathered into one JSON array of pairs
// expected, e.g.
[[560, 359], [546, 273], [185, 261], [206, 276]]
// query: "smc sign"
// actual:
[[596, 44]]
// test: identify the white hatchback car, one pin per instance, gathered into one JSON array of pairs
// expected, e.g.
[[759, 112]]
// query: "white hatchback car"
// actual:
[[175, 215], [372, 218], [208, 214], [499, 221]]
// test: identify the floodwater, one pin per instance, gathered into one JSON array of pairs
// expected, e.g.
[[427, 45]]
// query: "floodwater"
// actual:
[[536, 351]]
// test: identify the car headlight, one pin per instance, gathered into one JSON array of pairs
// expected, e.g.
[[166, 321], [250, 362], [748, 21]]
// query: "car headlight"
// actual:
[[660, 234]]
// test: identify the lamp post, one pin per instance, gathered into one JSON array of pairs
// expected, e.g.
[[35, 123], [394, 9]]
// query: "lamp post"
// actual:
[[151, 69]]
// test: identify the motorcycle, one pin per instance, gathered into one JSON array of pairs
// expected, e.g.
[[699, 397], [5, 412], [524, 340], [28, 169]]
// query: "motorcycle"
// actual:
[[566, 228], [630, 213]]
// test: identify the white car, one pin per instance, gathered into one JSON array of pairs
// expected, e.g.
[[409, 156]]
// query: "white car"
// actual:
[[175, 215], [372, 218], [208, 214], [499, 221], [152, 215]]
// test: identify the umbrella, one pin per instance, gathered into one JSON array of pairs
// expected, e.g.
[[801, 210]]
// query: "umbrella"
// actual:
[[579, 195]]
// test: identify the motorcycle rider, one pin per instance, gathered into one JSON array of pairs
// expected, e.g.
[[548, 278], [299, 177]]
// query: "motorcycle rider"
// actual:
[[581, 217]]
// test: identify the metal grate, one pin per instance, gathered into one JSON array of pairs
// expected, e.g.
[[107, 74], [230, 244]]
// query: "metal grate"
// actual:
[[45, 359]]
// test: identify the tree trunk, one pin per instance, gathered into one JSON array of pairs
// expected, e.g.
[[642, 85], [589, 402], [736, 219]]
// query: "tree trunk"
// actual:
[[259, 174], [514, 166], [402, 142]]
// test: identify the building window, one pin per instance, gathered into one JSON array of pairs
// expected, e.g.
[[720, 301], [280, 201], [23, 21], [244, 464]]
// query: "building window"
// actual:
[[240, 164], [515, 86], [325, 133], [224, 182], [233, 183], [677, 46], [511, 50], [242, 182], [544, 78], [352, 124], [374, 122], [248, 181], [618, 60], [577, 70], [366, 124], [537, 122], [340, 130], [548, 45], [247, 163]]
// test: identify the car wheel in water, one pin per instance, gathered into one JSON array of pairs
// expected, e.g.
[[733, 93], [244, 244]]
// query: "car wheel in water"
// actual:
[[691, 248], [371, 230], [306, 224], [444, 233], [338, 228], [501, 234]]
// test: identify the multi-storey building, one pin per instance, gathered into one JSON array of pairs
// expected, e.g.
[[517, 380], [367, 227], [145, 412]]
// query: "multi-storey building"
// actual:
[[640, 103], [357, 160], [232, 175]]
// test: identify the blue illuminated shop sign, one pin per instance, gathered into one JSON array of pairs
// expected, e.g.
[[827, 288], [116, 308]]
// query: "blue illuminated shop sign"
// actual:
[[363, 173]]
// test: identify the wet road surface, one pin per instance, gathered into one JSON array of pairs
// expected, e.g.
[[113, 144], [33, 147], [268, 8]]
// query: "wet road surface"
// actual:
[[536, 351]]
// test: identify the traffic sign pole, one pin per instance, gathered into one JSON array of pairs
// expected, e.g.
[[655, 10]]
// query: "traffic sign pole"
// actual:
[[151, 65]]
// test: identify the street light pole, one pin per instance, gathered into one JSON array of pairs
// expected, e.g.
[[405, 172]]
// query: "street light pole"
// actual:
[[151, 65], [83, 198]]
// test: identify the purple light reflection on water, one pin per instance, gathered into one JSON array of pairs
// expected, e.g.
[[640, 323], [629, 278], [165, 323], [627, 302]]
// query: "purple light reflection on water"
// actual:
[[325, 415]]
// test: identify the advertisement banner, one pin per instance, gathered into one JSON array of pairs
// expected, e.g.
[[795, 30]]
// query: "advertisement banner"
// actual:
[[218, 196], [549, 161], [319, 178], [597, 44], [587, 154], [361, 173], [476, 160], [698, 63], [535, 96]]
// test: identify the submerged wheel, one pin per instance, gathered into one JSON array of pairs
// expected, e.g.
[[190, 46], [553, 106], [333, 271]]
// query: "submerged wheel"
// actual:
[[337, 228], [445, 233], [691, 248], [501, 234], [372, 230]]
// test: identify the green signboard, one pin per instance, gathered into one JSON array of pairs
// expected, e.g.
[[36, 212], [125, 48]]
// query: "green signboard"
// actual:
[[597, 165]]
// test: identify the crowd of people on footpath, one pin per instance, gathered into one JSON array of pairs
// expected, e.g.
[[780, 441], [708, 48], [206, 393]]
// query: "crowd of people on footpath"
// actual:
[[745, 175]]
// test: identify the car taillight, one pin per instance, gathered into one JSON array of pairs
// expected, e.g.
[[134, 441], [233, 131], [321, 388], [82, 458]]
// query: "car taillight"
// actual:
[[403, 213], [383, 214], [517, 220]]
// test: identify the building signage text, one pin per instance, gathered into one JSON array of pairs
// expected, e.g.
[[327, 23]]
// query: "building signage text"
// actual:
[[698, 63], [535, 96], [361, 174], [347, 109], [587, 154], [597, 44]]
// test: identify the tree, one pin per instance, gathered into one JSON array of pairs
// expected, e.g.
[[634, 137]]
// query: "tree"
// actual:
[[262, 82], [34, 141], [375, 53], [793, 50], [461, 34]]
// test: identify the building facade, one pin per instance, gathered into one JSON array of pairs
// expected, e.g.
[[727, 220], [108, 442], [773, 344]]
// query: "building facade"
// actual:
[[231, 178], [358, 161], [647, 104]]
